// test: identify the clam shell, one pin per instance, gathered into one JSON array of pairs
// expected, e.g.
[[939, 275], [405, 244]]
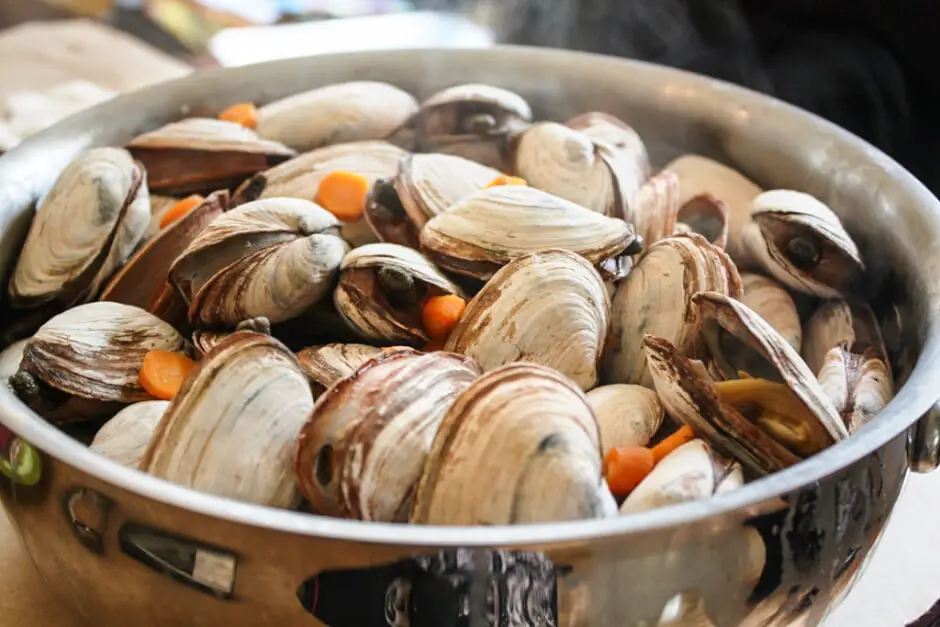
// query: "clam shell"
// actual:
[[124, 438], [386, 216], [87, 225], [232, 428], [369, 310], [520, 445], [768, 299], [325, 365], [859, 385], [699, 175], [800, 242], [429, 184], [203, 155], [204, 340], [708, 216], [656, 299], [839, 321], [550, 308], [655, 207], [628, 415], [335, 114], [10, 358], [274, 257], [361, 452], [489, 228]]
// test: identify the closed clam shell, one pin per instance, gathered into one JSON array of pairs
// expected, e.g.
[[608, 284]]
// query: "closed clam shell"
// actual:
[[124, 438], [859, 385], [203, 155], [232, 428], [325, 365], [800, 242], [656, 299], [840, 321], [520, 445], [628, 415], [550, 308], [274, 257], [489, 228], [381, 311], [773, 303], [692, 472], [429, 184], [655, 207], [335, 114], [700, 175], [361, 451], [86, 227]]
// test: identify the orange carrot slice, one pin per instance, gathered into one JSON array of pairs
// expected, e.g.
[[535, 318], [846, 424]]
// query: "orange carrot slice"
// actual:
[[243, 113], [343, 194], [180, 209], [682, 436], [505, 179], [441, 314], [625, 467], [163, 372]]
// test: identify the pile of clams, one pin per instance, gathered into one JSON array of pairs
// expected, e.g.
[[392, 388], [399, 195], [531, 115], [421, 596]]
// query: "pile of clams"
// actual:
[[362, 305]]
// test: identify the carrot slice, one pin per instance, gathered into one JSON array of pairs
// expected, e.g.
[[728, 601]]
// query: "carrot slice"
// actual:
[[243, 113], [441, 314], [163, 372], [505, 179], [682, 436], [625, 467], [343, 194], [180, 209]]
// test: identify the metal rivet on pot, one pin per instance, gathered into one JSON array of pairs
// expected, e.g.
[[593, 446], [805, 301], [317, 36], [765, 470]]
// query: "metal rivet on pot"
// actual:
[[87, 512]]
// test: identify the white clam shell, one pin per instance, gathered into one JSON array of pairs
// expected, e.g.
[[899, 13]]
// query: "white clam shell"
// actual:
[[210, 135], [549, 308], [773, 303], [837, 321], [334, 114], [429, 184], [231, 430], [327, 364], [655, 207], [527, 430], [124, 438], [859, 385], [628, 415]]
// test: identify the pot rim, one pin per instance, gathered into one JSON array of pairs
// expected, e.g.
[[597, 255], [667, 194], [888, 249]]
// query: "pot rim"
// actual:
[[911, 402]]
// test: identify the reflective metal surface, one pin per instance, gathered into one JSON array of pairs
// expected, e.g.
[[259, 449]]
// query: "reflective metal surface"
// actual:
[[172, 556]]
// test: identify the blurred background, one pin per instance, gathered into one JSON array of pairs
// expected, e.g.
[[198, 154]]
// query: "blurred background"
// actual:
[[863, 64]]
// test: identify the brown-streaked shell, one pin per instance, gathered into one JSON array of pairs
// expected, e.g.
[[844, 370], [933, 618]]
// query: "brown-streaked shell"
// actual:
[[526, 429], [361, 452], [859, 384], [124, 438], [708, 216], [326, 364], [549, 308], [655, 207], [840, 321], [771, 301], [429, 184], [628, 415]]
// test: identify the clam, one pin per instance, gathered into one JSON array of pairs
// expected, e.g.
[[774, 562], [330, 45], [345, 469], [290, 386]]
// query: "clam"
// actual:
[[335, 114], [765, 424], [656, 299], [839, 321], [700, 176], [203, 155], [800, 242], [124, 438], [706, 215], [381, 289], [691, 472], [361, 452], [204, 340], [655, 207], [84, 362], [232, 427], [550, 308], [628, 415], [773, 303], [274, 257], [472, 121], [10, 358], [325, 365], [859, 385], [490, 228], [429, 184], [520, 445], [86, 227]]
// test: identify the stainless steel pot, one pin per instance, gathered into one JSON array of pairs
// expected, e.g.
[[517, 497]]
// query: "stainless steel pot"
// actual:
[[127, 549]]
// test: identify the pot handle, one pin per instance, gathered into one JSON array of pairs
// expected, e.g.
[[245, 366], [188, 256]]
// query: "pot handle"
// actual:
[[923, 441]]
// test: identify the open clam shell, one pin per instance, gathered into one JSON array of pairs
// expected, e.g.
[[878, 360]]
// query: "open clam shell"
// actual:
[[800, 242], [86, 227], [336, 114], [274, 257], [840, 321], [656, 299], [655, 208], [549, 308], [203, 155], [232, 428], [326, 364], [381, 289], [628, 415], [124, 438], [490, 228], [859, 385], [520, 445], [706, 215], [768, 299], [92, 352], [361, 451]]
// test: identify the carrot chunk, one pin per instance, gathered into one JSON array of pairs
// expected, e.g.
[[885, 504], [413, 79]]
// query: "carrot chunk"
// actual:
[[243, 113], [180, 209], [343, 194], [681, 436], [505, 179], [441, 314], [163, 372], [625, 467]]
